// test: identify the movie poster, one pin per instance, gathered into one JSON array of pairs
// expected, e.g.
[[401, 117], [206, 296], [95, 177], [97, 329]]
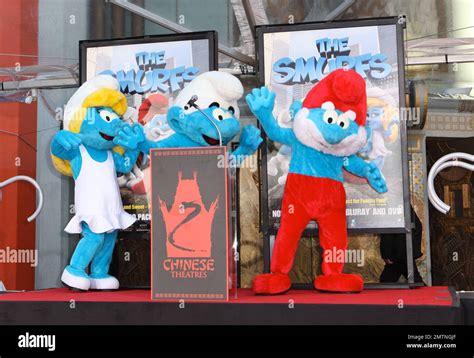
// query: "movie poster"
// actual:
[[151, 73], [190, 224], [293, 62]]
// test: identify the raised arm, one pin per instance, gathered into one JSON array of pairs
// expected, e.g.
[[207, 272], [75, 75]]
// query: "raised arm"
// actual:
[[261, 102], [129, 138], [65, 144], [124, 163]]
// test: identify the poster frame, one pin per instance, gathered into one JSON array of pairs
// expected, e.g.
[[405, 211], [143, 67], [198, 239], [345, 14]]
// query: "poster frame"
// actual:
[[264, 29], [211, 36], [268, 230]]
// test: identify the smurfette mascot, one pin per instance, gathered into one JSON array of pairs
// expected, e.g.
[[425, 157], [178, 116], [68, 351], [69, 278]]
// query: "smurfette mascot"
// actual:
[[85, 150]]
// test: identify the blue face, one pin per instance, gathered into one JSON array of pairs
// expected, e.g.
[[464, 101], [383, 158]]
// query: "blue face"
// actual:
[[100, 127], [374, 117], [333, 127], [199, 128]]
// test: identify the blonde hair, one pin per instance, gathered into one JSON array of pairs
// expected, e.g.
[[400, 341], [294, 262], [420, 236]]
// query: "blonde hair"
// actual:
[[105, 97]]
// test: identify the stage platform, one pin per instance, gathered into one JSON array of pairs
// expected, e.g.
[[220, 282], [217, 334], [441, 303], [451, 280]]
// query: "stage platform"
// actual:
[[59, 306]]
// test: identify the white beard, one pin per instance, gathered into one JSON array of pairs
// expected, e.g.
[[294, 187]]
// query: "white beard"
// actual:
[[308, 133]]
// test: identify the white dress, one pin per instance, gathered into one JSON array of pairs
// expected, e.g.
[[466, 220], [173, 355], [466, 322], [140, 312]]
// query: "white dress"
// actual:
[[97, 197]]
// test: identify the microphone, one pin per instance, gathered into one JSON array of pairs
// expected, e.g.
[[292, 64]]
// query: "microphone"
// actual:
[[192, 103]]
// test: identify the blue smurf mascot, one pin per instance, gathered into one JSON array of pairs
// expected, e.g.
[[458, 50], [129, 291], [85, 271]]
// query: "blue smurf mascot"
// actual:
[[328, 132], [205, 113], [85, 150]]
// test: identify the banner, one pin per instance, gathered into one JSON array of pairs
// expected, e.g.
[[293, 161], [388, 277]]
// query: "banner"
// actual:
[[151, 72], [292, 60], [190, 241]]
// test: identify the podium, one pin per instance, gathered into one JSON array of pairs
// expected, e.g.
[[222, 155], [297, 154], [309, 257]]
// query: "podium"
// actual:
[[190, 241]]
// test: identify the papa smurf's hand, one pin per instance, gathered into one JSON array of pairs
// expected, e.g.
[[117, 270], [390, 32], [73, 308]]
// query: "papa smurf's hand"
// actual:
[[250, 139], [130, 137], [67, 140], [375, 178], [261, 102]]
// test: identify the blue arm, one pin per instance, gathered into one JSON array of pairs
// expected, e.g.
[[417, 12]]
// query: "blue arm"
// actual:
[[65, 144], [124, 163], [261, 102], [361, 168], [250, 140], [134, 139], [237, 157], [242, 151], [355, 165], [275, 132]]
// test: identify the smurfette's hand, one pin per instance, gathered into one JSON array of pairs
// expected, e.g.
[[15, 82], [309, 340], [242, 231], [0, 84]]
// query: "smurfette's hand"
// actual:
[[130, 137], [67, 140], [261, 102], [375, 178], [250, 139]]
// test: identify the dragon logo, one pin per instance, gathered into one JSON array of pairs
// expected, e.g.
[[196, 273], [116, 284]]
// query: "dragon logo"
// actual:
[[188, 223]]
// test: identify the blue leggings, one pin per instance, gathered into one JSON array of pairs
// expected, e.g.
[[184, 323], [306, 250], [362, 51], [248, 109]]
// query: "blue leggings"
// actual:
[[94, 249]]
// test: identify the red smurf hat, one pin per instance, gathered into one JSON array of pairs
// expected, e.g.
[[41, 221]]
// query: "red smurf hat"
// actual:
[[345, 89], [153, 104]]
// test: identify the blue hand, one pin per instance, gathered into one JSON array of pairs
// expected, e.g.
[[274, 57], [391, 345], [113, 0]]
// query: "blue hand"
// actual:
[[67, 140], [250, 139], [261, 102], [375, 178], [130, 137]]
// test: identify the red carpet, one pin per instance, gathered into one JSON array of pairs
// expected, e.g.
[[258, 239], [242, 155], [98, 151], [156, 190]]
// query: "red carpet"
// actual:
[[429, 296]]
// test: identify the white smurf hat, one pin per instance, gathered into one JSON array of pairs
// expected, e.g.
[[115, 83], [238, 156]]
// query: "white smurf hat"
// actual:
[[210, 87]]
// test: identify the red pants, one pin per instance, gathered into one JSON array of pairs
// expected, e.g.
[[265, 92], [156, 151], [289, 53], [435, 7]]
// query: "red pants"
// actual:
[[306, 198]]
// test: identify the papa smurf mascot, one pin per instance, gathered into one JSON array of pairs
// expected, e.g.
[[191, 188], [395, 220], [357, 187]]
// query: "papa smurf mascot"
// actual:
[[204, 113], [328, 131], [85, 150]]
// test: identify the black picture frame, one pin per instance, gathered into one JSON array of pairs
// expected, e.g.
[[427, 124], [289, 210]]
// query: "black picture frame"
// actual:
[[264, 208], [211, 36]]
